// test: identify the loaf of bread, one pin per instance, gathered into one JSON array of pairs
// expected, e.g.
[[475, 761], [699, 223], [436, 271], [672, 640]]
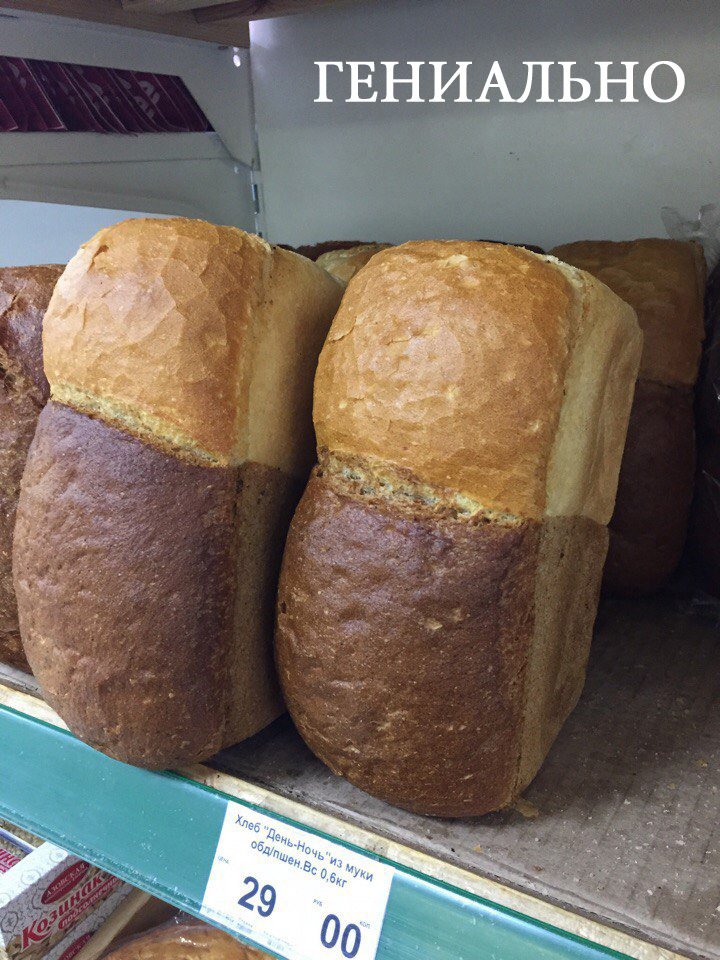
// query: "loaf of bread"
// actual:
[[346, 262], [441, 574], [663, 280], [161, 480], [24, 296], [186, 940]]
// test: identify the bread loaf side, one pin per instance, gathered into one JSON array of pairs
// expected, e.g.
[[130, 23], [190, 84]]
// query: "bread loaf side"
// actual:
[[24, 296], [164, 473], [663, 280], [442, 571]]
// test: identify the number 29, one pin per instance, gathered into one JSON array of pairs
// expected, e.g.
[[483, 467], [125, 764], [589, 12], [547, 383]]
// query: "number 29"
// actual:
[[267, 897]]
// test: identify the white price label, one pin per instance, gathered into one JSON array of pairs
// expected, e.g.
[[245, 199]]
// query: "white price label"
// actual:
[[299, 895]]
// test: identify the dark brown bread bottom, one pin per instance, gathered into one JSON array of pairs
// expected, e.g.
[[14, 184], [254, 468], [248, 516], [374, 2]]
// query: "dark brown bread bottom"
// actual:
[[18, 416], [11, 651], [127, 562], [412, 652], [655, 490]]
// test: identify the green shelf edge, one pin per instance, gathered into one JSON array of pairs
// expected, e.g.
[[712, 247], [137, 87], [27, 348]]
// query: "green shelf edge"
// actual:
[[159, 831]]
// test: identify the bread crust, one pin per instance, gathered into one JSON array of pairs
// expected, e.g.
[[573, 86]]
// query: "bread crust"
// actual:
[[188, 940], [313, 251], [664, 281], [429, 659], [24, 296], [156, 325], [344, 264], [423, 330], [146, 588], [129, 643], [655, 491], [401, 646]]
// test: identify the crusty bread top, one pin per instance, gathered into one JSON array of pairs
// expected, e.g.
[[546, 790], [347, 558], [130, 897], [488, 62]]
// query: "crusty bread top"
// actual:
[[162, 327], [185, 941], [314, 250], [485, 370], [24, 295], [664, 281], [344, 264]]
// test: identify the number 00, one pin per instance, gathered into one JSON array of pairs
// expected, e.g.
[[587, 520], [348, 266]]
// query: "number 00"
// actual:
[[331, 933]]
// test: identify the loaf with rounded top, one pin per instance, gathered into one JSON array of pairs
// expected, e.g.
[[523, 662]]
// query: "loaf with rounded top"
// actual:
[[24, 296], [161, 482], [441, 573], [663, 280]]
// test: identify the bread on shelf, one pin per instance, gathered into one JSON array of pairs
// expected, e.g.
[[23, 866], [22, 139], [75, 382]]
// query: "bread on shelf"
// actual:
[[442, 571], [185, 940], [24, 296], [345, 263], [663, 280], [161, 482]]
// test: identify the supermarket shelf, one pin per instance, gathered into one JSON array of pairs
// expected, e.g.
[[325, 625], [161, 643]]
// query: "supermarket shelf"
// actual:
[[505, 887], [159, 832]]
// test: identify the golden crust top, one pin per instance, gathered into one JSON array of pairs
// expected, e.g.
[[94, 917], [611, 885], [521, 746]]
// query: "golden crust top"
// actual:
[[156, 326], [663, 281], [450, 359]]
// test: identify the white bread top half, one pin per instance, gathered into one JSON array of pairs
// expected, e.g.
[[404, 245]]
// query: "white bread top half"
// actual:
[[500, 379], [198, 338]]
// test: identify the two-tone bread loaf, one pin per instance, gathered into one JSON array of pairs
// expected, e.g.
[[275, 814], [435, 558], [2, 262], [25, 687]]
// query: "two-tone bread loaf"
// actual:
[[161, 480], [663, 280], [24, 296], [441, 574]]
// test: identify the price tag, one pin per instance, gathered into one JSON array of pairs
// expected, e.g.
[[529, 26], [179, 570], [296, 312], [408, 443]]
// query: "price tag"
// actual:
[[299, 895]]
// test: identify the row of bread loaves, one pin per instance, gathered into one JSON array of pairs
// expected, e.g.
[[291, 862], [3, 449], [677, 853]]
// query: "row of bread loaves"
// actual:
[[442, 571]]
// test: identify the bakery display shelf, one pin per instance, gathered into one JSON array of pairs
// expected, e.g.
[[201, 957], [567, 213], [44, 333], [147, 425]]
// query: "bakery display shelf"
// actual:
[[613, 851]]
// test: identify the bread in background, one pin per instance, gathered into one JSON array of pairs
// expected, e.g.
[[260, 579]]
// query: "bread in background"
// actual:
[[161, 481], [185, 939], [441, 574], [24, 296], [663, 280], [345, 263]]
